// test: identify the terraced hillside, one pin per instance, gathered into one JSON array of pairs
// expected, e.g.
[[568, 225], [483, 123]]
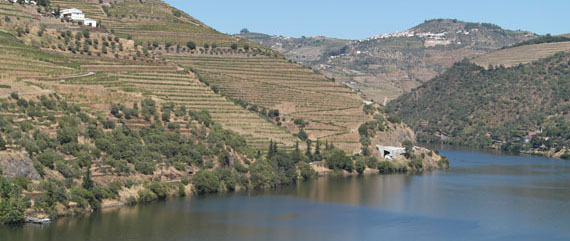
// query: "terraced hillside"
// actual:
[[149, 21], [333, 111], [182, 89], [249, 89], [19, 60], [521, 55]]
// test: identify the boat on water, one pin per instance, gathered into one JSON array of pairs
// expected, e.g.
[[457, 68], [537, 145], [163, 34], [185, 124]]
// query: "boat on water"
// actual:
[[38, 220]]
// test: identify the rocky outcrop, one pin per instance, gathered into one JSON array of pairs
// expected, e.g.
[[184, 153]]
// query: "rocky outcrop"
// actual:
[[18, 164], [395, 135]]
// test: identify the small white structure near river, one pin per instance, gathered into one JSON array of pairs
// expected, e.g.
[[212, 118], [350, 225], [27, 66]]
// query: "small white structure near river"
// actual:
[[390, 152]]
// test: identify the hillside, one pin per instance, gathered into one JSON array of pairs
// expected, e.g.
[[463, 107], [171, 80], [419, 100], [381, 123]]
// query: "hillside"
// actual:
[[388, 65], [154, 103], [520, 107], [525, 53]]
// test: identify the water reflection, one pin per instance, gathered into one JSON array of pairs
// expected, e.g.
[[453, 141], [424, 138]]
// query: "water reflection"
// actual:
[[482, 197]]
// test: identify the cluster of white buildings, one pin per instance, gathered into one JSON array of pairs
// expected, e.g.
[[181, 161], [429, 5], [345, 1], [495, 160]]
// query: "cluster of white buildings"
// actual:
[[77, 15], [25, 2], [431, 39], [406, 33]]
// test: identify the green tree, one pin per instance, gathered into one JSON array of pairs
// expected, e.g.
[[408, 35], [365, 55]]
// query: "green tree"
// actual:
[[408, 148], [13, 204], [87, 181], [2, 143], [263, 175], [360, 166], [206, 182], [191, 45]]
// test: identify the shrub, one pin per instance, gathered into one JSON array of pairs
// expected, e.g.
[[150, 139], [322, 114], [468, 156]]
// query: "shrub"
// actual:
[[191, 45], [179, 166], [146, 196], [337, 159], [386, 167], [240, 167], [263, 175], [372, 162], [181, 190], [307, 172], [360, 166], [206, 182], [417, 164], [159, 189]]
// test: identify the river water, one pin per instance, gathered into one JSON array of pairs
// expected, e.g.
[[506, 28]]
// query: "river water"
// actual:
[[481, 197]]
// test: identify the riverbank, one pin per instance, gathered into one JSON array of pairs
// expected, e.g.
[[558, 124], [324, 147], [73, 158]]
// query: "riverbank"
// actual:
[[480, 198], [153, 191]]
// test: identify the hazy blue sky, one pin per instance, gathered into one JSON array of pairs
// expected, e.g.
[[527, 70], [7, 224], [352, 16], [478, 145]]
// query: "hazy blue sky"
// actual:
[[356, 19]]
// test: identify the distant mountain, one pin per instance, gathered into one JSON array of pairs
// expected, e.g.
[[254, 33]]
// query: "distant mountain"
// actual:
[[522, 107], [388, 65]]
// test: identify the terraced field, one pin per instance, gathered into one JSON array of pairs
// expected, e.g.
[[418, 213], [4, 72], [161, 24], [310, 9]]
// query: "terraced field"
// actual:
[[150, 21], [334, 111], [14, 11], [521, 55], [19, 60], [181, 89]]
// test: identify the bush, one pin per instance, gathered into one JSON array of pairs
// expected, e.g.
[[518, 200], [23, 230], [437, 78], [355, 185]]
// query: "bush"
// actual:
[[337, 159], [307, 172], [145, 167], [146, 196], [417, 164], [65, 170], [386, 167], [372, 162], [228, 177], [49, 158], [191, 45], [159, 189], [179, 166], [263, 175], [240, 167], [206, 182], [181, 190], [360, 166]]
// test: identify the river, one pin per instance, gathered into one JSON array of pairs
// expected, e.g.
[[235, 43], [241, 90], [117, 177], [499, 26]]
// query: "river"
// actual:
[[481, 197]]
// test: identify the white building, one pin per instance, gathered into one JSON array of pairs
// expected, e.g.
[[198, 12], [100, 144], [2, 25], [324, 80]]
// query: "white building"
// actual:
[[390, 152], [77, 15], [73, 14], [89, 22]]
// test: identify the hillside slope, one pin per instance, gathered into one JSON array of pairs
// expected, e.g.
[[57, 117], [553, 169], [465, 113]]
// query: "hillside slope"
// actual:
[[387, 65], [155, 104], [522, 54], [469, 105], [156, 41]]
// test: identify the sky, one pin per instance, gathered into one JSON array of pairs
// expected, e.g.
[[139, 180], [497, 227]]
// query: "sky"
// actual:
[[358, 19]]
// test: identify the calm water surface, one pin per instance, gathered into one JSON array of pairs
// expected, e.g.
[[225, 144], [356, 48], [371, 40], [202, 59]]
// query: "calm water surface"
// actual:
[[482, 197]]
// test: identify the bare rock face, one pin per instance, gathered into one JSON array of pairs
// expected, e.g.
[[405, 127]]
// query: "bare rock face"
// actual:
[[395, 135], [18, 164]]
